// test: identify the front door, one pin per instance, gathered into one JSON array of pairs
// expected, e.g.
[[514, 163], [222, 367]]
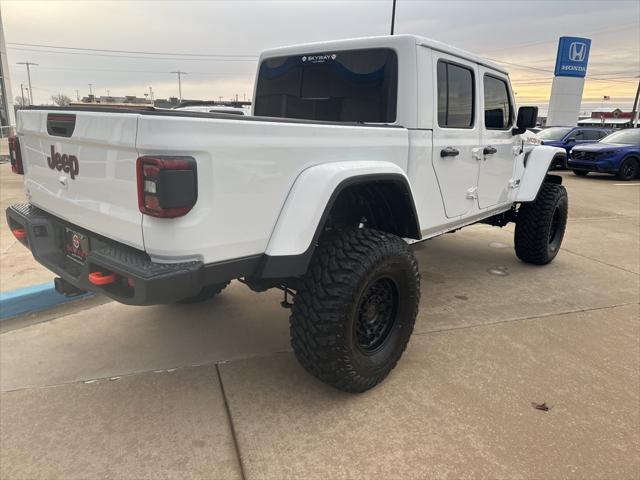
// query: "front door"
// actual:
[[499, 145], [456, 133]]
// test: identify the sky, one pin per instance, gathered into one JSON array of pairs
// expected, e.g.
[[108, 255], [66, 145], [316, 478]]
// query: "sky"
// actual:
[[217, 42]]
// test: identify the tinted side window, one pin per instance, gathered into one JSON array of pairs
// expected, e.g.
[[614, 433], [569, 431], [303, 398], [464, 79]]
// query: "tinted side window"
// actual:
[[593, 134], [497, 104], [455, 96], [343, 86]]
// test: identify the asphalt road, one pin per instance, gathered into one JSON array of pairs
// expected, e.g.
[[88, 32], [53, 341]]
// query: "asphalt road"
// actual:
[[213, 391]]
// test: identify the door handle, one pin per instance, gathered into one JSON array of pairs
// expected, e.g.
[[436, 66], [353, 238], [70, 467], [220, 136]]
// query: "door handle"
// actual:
[[489, 151], [449, 152]]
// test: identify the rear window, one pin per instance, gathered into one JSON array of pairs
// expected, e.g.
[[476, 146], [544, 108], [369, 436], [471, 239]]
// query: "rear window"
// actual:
[[342, 86]]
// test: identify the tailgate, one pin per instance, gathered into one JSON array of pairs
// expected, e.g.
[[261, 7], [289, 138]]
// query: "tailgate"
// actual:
[[80, 166]]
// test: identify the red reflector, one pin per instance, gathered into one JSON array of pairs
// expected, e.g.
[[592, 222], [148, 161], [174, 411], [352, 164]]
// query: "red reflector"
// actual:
[[19, 233], [100, 278], [151, 202]]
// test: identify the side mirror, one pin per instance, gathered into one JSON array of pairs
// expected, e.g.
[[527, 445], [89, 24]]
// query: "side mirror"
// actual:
[[527, 117]]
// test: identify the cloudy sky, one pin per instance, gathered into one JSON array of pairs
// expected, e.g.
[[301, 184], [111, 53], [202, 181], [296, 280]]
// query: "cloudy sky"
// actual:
[[216, 42]]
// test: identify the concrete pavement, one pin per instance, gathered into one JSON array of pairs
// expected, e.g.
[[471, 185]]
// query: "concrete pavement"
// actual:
[[17, 265], [212, 390]]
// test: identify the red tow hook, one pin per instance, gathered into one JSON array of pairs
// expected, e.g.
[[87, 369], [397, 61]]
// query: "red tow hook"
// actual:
[[100, 278], [19, 233]]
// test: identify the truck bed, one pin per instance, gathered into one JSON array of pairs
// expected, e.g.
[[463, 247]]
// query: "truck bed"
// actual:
[[246, 167]]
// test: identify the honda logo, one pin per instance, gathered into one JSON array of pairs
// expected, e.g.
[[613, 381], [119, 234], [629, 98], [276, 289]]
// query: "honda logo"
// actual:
[[577, 51]]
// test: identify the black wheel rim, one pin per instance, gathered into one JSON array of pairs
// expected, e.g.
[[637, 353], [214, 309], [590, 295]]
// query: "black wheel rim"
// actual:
[[555, 223], [376, 315], [629, 170]]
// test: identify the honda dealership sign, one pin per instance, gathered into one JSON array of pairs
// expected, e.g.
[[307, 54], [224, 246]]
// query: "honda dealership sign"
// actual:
[[568, 83], [572, 58]]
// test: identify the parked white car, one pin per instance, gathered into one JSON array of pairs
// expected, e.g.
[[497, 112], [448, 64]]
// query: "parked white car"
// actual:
[[355, 149]]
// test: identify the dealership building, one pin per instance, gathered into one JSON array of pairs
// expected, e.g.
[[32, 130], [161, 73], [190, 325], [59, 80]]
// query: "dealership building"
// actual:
[[607, 117]]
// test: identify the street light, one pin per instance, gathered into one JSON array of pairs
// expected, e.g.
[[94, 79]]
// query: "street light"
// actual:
[[393, 16], [28, 64]]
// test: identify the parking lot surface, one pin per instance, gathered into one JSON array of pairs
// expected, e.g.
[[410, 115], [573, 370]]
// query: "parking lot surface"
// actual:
[[213, 391]]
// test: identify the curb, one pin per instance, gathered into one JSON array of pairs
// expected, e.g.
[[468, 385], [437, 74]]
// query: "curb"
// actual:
[[33, 299]]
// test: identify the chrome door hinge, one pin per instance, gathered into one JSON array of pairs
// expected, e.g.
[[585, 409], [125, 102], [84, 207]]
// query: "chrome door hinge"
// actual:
[[472, 193], [513, 183]]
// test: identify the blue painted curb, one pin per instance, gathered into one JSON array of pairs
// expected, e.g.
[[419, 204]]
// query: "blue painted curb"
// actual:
[[32, 299]]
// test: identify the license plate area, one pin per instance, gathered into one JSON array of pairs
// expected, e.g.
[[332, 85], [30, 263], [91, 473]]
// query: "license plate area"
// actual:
[[76, 245]]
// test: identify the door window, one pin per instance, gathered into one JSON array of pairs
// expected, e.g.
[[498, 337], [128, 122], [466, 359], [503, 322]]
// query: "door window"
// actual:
[[592, 135], [577, 135], [455, 96], [497, 104]]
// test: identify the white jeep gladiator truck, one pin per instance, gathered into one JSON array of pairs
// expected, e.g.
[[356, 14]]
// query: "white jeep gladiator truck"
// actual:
[[355, 149]]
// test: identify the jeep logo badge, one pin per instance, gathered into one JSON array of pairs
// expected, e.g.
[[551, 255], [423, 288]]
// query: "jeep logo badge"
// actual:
[[63, 163]]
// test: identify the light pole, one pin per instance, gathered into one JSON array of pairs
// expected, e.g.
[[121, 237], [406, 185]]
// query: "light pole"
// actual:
[[393, 16], [22, 91], [77, 95], [634, 112], [179, 73], [28, 64], [90, 88], [151, 94]]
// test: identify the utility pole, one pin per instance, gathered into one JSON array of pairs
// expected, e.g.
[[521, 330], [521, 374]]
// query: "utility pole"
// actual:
[[179, 73], [393, 16], [220, 99], [22, 90], [151, 94], [77, 95], [634, 112], [90, 88], [28, 64]]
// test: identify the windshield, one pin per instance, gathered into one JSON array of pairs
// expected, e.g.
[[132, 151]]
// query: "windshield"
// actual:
[[554, 133], [624, 137]]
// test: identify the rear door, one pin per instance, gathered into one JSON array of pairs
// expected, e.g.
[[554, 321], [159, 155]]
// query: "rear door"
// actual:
[[80, 166], [456, 133], [498, 143]]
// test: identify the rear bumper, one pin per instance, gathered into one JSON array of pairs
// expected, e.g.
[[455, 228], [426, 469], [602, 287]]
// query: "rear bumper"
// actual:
[[139, 281]]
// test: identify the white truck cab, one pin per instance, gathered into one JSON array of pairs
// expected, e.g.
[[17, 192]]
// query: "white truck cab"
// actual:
[[354, 149]]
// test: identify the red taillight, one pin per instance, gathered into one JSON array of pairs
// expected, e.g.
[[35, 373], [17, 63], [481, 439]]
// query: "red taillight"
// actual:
[[167, 186], [16, 155]]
